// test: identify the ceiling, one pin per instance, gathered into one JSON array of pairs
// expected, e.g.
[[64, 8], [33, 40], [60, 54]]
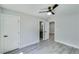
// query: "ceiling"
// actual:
[[67, 9], [32, 9]]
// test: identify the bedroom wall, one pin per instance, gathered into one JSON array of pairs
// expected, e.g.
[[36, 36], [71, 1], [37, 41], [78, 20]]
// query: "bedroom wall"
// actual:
[[29, 27], [67, 25]]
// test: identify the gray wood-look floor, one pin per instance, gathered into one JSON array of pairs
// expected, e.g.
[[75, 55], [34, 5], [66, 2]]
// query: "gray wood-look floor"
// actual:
[[47, 47]]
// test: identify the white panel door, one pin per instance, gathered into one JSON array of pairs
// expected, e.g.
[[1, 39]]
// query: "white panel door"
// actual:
[[46, 30], [10, 28]]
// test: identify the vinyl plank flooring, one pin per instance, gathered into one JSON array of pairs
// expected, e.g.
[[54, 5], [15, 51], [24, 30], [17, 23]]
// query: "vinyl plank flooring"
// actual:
[[47, 47]]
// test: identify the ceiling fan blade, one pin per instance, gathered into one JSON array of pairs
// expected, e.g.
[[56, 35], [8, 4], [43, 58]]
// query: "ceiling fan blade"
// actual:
[[56, 5], [53, 13], [43, 11]]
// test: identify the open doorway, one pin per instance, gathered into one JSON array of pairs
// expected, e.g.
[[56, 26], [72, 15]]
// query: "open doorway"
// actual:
[[41, 30], [44, 30], [51, 30]]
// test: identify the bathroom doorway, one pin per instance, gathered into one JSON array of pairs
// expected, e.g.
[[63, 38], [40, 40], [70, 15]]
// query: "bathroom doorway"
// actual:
[[52, 30]]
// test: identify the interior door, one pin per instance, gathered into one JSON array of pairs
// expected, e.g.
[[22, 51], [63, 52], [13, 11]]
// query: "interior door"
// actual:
[[46, 30], [10, 28]]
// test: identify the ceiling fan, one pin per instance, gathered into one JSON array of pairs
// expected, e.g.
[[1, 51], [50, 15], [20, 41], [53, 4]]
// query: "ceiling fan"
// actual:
[[50, 9]]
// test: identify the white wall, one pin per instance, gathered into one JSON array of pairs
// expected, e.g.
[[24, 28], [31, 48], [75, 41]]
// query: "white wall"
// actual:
[[29, 27], [29, 30], [0, 24], [67, 25]]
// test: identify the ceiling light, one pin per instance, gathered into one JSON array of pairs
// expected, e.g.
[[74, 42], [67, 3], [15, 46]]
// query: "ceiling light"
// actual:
[[49, 13]]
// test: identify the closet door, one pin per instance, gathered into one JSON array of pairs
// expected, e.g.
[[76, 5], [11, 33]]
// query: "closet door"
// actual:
[[10, 28]]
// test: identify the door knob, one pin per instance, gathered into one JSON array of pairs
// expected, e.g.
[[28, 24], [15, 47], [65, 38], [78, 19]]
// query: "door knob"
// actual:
[[5, 35]]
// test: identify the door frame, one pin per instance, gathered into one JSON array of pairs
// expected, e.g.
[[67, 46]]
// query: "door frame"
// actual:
[[49, 27], [45, 32]]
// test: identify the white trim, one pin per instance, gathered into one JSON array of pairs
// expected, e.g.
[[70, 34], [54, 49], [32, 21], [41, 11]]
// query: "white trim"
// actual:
[[25, 45], [67, 44]]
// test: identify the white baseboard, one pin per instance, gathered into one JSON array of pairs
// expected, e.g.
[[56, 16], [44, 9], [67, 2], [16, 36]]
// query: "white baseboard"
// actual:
[[67, 44], [25, 45]]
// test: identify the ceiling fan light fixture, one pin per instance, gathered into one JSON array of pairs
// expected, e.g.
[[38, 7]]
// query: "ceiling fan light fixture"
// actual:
[[49, 13]]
